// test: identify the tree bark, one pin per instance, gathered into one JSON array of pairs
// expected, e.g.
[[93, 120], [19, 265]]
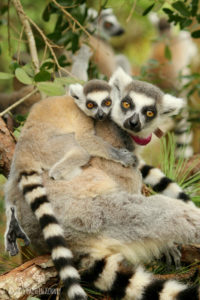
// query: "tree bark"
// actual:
[[7, 147], [33, 278]]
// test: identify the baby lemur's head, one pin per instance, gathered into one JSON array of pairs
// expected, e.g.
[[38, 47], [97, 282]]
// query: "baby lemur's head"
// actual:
[[93, 98], [140, 107]]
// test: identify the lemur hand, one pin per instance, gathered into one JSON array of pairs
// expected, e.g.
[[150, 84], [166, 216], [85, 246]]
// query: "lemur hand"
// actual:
[[125, 157], [14, 232]]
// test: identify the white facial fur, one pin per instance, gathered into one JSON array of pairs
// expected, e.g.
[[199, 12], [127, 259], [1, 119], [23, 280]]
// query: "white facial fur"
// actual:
[[140, 101], [100, 23], [166, 105], [97, 97]]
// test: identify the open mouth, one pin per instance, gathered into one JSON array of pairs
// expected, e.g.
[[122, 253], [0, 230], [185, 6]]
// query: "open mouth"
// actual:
[[141, 141]]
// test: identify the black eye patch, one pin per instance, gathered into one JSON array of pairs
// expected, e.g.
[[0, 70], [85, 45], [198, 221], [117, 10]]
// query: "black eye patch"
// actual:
[[150, 112], [90, 104], [107, 102], [127, 104]]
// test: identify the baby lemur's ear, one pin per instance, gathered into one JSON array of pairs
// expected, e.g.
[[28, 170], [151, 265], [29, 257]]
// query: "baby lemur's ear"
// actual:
[[76, 91], [171, 105], [119, 80]]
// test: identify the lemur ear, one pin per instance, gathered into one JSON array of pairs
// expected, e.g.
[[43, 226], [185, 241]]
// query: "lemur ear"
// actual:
[[119, 80], [76, 91], [171, 105]]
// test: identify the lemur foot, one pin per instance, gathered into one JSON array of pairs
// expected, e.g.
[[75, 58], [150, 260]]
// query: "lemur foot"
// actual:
[[125, 157], [173, 256], [13, 233]]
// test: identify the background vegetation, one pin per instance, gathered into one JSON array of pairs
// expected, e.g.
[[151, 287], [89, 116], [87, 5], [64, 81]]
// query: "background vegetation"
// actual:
[[61, 24]]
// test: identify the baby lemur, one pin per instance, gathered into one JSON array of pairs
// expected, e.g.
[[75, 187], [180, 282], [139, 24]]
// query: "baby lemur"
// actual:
[[102, 215], [135, 109]]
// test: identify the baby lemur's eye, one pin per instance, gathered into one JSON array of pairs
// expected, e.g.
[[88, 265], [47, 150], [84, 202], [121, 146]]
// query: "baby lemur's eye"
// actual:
[[150, 113], [126, 104], [90, 105], [108, 102]]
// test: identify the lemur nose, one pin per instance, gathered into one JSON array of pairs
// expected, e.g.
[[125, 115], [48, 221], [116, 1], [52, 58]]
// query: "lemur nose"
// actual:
[[134, 121]]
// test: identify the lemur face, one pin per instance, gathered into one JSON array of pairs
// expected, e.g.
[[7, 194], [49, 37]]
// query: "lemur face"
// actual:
[[105, 24], [98, 104], [93, 99], [137, 113], [140, 107]]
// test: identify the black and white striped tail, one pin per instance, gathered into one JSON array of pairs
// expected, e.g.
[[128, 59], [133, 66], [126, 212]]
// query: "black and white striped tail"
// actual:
[[30, 183], [162, 184], [110, 276], [183, 139]]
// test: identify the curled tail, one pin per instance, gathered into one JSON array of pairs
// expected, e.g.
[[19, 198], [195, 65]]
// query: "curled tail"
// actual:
[[110, 275], [183, 138], [30, 183], [161, 184]]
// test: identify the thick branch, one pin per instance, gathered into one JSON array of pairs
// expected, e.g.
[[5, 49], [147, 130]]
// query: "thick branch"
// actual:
[[29, 34], [7, 147], [34, 277]]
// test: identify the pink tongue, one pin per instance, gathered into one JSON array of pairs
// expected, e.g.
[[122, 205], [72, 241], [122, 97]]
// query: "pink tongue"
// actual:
[[141, 141]]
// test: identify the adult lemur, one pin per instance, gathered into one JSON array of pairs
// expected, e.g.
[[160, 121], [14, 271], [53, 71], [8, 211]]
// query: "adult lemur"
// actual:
[[138, 115], [104, 218]]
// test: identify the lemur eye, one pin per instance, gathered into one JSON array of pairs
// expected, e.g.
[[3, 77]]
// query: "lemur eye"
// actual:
[[108, 103], [150, 113], [90, 105], [126, 104], [107, 25]]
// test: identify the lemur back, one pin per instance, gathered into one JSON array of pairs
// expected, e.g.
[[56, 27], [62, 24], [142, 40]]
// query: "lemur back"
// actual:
[[52, 128], [106, 226]]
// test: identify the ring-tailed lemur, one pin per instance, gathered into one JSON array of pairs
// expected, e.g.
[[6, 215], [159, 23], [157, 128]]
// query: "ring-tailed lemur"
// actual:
[[71, 139], [104, 218], [151, 175], [167, 72]]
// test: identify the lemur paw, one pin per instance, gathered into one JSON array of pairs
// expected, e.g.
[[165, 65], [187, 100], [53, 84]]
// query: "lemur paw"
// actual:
[[173, 256], [127, 158], [14, 232]]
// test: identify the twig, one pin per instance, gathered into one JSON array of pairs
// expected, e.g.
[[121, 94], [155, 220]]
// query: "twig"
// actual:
[[132, 11], [19, 44], [9, 44], [29, 34], [71, 17], [18, 102], [50, 47]]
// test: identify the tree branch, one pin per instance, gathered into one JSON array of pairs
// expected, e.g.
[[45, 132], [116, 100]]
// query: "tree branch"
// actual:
[[34, 277], [29, 34], [7, 147], [18, 102]]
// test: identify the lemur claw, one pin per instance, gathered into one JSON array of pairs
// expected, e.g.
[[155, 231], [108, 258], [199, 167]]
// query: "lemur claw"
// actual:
[[173, 256], [13, 233]]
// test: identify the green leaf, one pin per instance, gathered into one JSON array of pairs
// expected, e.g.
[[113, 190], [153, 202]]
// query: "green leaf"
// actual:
[[22, 76], [194, 9], [68, 80], [148, 9], [181, 8], [28, 68], [5, 76], [196, 34], [168, 11], [168, 53], [51, 88], [42, 76]]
